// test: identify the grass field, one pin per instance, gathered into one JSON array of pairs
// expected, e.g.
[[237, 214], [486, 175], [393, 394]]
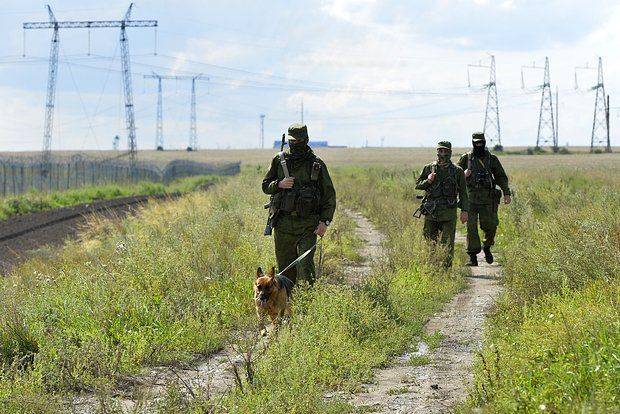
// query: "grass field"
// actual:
[[38, 201], [175, 282], [410, 157], [553, 345]]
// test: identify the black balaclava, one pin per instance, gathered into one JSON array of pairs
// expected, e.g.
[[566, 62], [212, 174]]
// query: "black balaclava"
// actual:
[[298, 141], [479, 144]]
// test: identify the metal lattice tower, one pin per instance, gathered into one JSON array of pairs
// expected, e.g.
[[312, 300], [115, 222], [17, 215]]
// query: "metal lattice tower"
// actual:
[[492, 130], [600, 127], [547, 133], [193, 133], [126, 69], [262, 131]]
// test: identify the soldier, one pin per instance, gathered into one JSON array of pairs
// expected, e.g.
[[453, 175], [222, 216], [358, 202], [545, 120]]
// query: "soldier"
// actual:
[[483, 172], [302, 204], [444, 184]]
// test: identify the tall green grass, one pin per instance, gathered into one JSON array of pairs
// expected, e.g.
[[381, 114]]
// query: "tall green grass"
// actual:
[[553, 345], [36, 201]]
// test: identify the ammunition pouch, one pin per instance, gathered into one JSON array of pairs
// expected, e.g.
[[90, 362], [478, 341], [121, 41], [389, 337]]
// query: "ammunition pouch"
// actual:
[[285, 201], [482, 179], [307, 202]]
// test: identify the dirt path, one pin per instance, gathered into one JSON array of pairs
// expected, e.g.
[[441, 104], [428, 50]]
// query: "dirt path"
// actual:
[[435, 380], [372, 251]]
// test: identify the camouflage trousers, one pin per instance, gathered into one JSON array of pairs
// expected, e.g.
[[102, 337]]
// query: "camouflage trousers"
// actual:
[[289, 245], [486, 215], [443, 232]]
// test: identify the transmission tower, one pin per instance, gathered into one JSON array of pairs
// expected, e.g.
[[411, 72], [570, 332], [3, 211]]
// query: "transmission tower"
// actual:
[[193, 134], [262, 131], [53, 70], [491, 128], [546, 123], [600, 126]]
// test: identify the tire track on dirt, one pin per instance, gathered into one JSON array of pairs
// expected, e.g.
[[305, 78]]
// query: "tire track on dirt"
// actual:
[[435, 380]]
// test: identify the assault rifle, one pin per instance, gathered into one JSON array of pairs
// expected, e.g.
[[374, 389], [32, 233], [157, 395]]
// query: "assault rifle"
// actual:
[[273, 212]]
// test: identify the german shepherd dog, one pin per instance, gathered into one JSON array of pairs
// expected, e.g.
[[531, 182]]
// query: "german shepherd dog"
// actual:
[[271, 296]]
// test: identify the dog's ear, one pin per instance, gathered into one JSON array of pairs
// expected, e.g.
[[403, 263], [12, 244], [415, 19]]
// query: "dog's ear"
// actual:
[[272, 272], [259, 273]]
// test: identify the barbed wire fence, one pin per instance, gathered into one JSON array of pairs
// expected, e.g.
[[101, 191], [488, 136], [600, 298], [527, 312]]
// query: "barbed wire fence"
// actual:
[[19, 175]]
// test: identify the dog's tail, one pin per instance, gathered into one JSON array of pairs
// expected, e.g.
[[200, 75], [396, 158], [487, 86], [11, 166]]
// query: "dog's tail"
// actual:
[[287, 283]]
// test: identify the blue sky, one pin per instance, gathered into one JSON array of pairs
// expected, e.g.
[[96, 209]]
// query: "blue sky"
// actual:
[[365, 69]]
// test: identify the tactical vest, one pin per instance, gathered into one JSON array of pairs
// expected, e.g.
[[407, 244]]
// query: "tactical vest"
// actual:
[[304, 198], [445, 190], [481, 176]]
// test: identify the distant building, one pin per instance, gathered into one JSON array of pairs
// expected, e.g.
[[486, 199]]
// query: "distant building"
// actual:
[[313, 144]]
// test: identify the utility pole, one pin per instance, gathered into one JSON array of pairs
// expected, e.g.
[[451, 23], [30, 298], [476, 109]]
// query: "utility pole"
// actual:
[[53, 70], [262, 131], [557, 116], [491, 127], [193, 133], [546, 123], [608, 149]]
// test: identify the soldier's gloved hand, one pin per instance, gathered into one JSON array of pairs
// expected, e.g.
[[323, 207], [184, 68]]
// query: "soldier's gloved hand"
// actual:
[[467, 173], [286, 183], [507, 199], [320, 229], [464, 217], [431, 177]]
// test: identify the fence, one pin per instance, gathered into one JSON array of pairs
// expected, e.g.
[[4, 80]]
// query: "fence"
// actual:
[[20, 174]]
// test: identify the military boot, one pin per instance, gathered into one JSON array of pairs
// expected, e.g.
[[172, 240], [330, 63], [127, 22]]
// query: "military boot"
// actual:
[[488, 256], [473, 259]]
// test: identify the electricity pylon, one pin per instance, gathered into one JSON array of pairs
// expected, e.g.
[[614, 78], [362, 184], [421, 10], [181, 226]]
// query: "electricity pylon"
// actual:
[[193, 133], [547, 133], [53, 70], [492, 131], [600, 124]]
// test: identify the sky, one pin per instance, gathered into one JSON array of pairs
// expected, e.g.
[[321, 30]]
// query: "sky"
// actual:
[[367, 71]]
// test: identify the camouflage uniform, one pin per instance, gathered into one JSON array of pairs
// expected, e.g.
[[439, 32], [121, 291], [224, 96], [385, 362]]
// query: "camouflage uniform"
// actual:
[[297, 211], [484, 197], [440, 201]]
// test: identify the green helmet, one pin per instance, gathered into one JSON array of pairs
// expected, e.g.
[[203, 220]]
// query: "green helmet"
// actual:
[[444, 144], [297, 133]]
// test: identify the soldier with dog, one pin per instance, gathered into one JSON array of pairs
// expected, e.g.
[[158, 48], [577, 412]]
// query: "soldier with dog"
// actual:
[[302, 204]]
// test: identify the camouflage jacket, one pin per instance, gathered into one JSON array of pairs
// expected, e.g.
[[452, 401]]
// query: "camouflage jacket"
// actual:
[[483, 192], [447, 191], [301, 170]]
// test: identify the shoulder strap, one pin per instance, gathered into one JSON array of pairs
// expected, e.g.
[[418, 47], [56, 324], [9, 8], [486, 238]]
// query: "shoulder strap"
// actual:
[[282, 157], [434, 167]]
